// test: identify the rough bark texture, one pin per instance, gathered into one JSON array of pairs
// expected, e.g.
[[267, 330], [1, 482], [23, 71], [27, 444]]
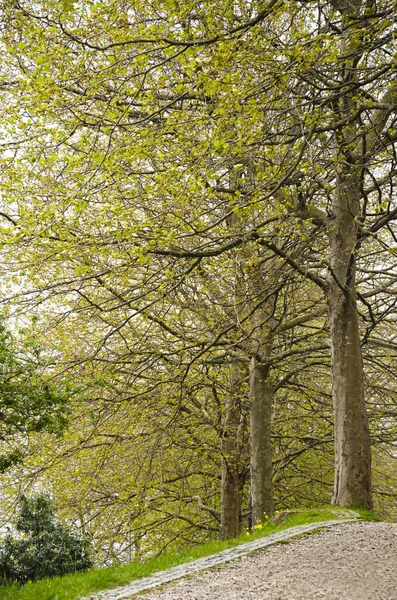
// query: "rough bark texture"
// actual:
[[352, 443], [261, 397], [261, 450], [352, 486], [230, 450]]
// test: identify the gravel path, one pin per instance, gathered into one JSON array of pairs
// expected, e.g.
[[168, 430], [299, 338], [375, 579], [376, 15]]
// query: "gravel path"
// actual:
[[351, 561], [201, 564]]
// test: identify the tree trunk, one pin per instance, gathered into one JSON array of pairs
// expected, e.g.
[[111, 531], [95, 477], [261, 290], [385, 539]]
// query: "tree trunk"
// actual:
[[230, 501], [230, 450], [261, 397], [261, 451], [352, 443], [352, 486]]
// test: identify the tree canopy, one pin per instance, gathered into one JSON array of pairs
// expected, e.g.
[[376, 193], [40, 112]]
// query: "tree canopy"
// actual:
[[198, 206]]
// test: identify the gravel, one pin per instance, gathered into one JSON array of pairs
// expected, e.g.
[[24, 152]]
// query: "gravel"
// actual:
[[350, 561]]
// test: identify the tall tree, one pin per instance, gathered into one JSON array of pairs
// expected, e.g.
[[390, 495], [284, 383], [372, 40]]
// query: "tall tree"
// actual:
[[321, 73]]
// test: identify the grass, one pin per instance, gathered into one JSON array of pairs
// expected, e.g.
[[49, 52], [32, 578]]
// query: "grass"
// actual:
[[78, 585]]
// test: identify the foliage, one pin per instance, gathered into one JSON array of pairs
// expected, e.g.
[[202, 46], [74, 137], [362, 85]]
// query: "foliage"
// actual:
[[171, 182], [29, 401], [45, 547]]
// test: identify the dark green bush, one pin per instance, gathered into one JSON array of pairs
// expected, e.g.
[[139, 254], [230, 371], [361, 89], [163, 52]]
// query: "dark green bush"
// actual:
[[44, 546], [29, 400]]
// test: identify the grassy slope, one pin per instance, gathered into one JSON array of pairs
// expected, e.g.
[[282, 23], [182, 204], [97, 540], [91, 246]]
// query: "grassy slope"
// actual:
[[77, 585]]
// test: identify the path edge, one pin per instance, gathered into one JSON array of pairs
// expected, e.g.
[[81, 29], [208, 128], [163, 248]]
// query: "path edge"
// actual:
[[128, 590]]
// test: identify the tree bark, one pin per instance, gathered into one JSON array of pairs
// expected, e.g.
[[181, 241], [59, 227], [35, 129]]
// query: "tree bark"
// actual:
[[230, 451], [261, 399], [352, 486]]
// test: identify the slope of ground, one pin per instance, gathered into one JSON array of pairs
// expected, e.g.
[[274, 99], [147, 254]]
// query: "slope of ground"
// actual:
[[351, 561], [82, 584]]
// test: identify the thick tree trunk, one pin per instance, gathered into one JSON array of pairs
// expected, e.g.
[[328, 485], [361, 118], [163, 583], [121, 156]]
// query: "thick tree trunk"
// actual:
[[230, 450], [261, 399], [230, 500], [352, 485], [352, 443], [261, 393]]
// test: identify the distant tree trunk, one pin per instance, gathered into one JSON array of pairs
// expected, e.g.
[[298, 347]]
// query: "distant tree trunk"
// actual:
[[230, 450], [261, 398]]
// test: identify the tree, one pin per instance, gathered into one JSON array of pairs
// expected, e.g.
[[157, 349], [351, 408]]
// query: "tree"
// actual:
[[29, 402], [287, 131], [46, 547], [356, 138]]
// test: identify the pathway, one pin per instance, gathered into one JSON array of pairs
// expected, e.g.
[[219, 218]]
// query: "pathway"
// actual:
[[202, 564]]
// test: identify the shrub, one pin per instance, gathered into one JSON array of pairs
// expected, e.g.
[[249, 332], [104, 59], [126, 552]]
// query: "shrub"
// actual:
[[45, 547]]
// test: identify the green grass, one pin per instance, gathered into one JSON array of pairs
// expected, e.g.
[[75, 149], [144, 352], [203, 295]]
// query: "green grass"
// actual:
[[77, 585]]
